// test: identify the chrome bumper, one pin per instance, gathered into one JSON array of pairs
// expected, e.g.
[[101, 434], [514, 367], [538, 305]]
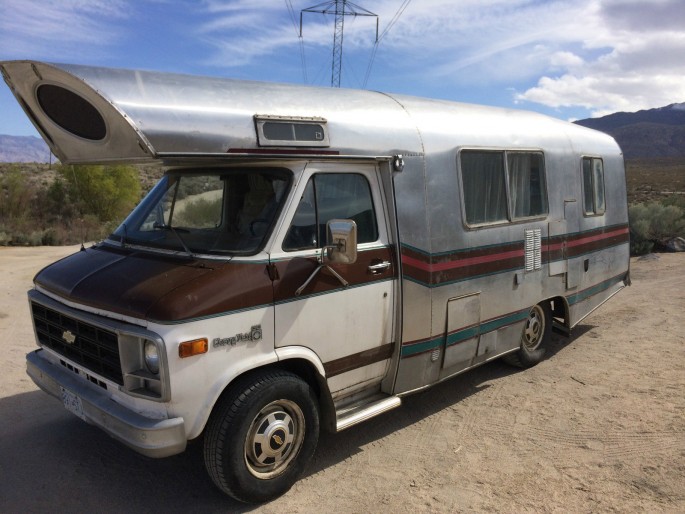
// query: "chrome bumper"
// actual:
[[151, 437]]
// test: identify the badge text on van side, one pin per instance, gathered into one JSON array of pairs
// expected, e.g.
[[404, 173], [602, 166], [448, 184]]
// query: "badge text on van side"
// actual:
[[255, 334]]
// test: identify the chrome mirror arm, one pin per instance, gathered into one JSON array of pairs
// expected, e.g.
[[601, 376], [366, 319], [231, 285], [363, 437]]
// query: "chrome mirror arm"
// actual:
[[322, 265]]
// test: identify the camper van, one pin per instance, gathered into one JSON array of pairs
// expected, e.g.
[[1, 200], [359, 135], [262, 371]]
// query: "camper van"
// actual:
[[310, 257]]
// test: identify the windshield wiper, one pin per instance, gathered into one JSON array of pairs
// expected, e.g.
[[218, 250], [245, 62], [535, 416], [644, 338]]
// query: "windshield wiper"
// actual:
[[175, 231]]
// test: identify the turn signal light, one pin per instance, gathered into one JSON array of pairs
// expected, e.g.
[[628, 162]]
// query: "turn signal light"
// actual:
[[190, 348]]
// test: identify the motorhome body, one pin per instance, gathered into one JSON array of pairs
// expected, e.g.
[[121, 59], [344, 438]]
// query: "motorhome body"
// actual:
[[311, 256]]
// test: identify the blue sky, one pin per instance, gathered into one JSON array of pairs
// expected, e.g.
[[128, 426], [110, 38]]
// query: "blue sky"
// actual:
[[570, 59]]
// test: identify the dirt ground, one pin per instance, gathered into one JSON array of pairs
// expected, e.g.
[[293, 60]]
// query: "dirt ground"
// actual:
[[599, 426]]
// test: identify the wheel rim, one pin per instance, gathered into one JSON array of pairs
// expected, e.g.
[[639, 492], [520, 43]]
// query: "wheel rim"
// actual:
[[534, 329], [274, 439]]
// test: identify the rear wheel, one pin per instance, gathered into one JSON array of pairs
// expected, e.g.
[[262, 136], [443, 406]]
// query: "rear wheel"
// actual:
[[537, 332], [261, 436]]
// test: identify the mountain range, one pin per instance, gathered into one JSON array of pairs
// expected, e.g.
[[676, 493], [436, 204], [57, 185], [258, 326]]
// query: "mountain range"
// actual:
[[24, 149], [643, 134]]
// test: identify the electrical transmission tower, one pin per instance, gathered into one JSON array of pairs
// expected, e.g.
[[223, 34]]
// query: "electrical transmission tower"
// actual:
[[339, 8]]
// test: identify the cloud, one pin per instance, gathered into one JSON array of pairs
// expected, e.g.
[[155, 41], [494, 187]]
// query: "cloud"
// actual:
[[642, 65], [598, 55], [40, 28]]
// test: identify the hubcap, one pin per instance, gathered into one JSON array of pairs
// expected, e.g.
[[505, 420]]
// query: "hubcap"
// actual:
[[534, 329], [274, 439]]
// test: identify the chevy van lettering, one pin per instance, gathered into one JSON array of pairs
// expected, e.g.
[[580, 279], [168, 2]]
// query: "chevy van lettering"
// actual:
[[254, 335], [370, 245]]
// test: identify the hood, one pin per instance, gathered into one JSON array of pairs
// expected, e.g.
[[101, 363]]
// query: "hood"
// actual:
[[154, 287]]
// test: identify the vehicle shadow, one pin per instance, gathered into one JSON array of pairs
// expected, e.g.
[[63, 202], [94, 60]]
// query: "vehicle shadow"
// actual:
[[52, 461]]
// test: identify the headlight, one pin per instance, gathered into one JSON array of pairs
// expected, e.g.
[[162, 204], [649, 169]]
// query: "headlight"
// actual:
[[151, 357]]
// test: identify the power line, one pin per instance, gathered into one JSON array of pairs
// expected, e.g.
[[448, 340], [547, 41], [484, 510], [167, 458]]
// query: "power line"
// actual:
[[390, 25], [340, 9], [291, 11]]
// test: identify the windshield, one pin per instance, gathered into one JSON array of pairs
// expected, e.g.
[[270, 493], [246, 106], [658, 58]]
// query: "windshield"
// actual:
[[208, 212]]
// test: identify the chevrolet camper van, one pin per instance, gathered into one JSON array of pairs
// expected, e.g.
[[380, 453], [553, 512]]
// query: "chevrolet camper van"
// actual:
[[310, 257]]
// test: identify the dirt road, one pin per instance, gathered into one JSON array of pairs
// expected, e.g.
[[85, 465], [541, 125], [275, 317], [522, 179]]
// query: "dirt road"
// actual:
[[599, 426]]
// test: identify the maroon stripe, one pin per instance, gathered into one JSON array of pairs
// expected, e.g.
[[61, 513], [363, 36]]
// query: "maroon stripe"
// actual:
[[292, 273], [280, 151], [358, 360]]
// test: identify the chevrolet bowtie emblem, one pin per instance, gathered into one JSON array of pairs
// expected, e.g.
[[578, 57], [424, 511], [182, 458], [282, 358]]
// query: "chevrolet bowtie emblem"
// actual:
[[68, 337]]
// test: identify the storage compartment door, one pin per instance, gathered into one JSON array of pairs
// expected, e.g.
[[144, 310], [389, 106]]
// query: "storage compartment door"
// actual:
[[463, 330]]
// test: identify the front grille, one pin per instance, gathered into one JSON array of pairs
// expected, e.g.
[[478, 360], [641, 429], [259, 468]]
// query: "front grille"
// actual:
[[94, 348]]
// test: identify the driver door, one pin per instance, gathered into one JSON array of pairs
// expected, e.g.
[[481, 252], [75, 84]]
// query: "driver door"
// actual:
[[350, 328]]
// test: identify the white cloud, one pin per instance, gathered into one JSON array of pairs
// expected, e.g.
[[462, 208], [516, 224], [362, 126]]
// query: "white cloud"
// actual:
[[600, 55], [48, 27], [642, 65]]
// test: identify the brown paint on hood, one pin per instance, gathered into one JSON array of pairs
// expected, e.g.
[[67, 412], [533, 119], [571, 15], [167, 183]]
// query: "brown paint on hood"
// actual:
[[155, 287]]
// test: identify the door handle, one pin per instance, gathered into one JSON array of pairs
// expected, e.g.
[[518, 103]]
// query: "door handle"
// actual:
[[379, 267]]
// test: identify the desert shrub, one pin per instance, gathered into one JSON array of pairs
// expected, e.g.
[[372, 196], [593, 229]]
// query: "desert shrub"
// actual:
[[16, 195], [107, 192], [200, 212], [653, 222], [83, 203], [676, 200]]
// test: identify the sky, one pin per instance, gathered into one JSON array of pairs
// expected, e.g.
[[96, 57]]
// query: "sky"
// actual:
[[571, 59]]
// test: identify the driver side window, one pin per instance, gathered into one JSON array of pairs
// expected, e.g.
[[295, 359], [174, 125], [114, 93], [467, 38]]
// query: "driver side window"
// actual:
[[331, 196]]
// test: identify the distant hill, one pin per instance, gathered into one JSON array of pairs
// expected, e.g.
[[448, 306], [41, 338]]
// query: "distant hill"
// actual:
[[645, 134], [24, 149]]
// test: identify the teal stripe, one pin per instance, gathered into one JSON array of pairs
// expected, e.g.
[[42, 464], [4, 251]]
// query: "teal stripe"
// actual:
[[587, 293], [509, 319], [426, 346], [464, 334]]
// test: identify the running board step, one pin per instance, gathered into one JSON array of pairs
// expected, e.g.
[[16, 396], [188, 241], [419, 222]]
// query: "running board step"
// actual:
[[366, 411]]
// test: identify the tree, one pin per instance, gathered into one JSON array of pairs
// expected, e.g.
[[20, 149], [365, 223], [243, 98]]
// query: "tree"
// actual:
[[107, 192]]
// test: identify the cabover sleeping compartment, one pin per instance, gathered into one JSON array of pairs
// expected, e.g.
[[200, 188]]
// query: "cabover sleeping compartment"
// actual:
[[310, 257]]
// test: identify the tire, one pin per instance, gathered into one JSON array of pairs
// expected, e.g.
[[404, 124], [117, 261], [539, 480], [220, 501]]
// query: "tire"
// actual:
[[536, 334], [261, 435]]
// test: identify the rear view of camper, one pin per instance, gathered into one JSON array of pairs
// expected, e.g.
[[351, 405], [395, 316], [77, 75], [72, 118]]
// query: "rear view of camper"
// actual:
[[310, 257]]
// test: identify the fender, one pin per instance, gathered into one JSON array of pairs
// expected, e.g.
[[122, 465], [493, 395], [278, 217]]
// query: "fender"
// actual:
[[301, 352], [221, 383]]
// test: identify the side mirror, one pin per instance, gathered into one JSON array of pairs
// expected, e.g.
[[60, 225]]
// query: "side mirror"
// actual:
[[342, 241]]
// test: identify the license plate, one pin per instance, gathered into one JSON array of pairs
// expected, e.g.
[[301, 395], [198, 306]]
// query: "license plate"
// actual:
[[73, 403]]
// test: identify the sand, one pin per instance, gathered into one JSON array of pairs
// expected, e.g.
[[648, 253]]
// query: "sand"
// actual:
[[598, 426]]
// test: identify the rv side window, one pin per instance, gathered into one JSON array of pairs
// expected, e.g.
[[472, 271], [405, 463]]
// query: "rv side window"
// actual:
[[501, 186], [593, 186], [331, 196], [485, 196], [527, 189]]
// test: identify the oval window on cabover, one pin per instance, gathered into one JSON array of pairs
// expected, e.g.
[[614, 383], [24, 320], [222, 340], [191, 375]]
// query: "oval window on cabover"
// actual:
[[71, 112]]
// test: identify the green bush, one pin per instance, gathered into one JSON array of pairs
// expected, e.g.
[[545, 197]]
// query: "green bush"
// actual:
[[654, 222], [84, 203], [16, 195], [108, 192]]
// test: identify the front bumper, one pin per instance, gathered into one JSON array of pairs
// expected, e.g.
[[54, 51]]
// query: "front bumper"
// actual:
[[150, 437]]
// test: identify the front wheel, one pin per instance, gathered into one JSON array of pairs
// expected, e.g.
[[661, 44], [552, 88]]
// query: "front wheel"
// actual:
[[537, 332], [262, 434]]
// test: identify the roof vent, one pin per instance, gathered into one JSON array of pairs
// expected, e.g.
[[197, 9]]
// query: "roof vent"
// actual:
[[71, 112], [291, 131]]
